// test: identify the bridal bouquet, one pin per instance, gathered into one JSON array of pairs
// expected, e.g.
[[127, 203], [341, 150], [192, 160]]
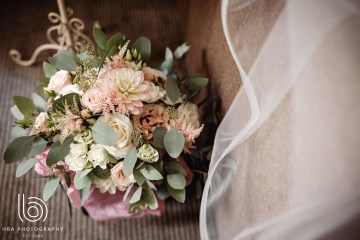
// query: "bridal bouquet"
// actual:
[[114, 133]]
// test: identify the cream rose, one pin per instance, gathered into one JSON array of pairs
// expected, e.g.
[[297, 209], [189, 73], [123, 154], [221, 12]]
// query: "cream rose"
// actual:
[[120, 180], [58, 81], [77, 159], [40, 122], [124, 131], [98, 156], [189, 113], [154, 93], [93, 100], [152, 116], [104, 185], [70, 89]]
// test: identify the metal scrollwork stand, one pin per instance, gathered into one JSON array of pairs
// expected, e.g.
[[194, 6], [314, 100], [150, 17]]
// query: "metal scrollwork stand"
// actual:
[[69, 35]]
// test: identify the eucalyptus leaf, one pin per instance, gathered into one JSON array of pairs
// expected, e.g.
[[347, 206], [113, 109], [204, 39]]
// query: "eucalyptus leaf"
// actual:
[[25, 105], [174, 167], [25, 166], [99, 37], [150, 185], [158, 137], [196, 83], [101, 173], [176, 181], [178, 195], [129, 161], [39, 102], [17, 132], [167, 64], [64, 60], [127, 192], [114, 41], [59, 151], [151, 173], [150, 200], [136, 196], [84, 192], [16, 113], [49, 70], [181, 50], [69, 99], [81, 181], [104, 134], [50, 187], [139, 178], [39, 145], [143, 46], [162, 192], [172, 89], [174, 143], [18, 149]]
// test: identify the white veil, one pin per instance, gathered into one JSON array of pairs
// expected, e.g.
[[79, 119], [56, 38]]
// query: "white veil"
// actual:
[[286, 159]]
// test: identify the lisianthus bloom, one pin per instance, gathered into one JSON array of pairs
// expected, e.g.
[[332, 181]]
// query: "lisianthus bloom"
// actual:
[[129, 84], [58, 81], [104, 185], [77, 158], [124, 132], [40, 122], [151, 117], [120, 180], [98, 156]]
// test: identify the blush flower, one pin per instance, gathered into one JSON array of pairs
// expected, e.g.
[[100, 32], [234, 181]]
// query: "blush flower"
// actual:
[[151, 117], [120, 180], [93, 100], [153, 74], [58, 81], [40, 122]]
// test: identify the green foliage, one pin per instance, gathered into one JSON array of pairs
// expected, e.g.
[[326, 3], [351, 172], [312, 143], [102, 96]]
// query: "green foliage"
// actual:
[[59, 151], [17, 132], [50, 187], [150, 172], [139, 178], [38, 146], [158, 137], [130, 161], [196, 83], [143, 46], [39, 102], [49, 70], [25, 105], [136, 196], [172, 89], [174, 143], [82, 179], [25, 166], [16, 112], [18, 149], [99, 37], [149, 197], [176, 181], [167, 65], [178, 195], [181, 50], [64, 60], [174, 167], [101, 173], [127, 192], [68, 99], [104, 134]]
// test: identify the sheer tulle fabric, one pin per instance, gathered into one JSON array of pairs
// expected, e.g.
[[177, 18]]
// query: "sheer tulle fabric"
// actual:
[[285, 163]]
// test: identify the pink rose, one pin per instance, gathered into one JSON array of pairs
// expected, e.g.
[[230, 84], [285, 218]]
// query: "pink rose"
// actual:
[[93, 100], [120, 180], [40, 122], [58, 81]]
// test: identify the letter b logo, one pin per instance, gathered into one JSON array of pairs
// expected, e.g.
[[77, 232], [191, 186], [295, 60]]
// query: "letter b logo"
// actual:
[[32, 211]]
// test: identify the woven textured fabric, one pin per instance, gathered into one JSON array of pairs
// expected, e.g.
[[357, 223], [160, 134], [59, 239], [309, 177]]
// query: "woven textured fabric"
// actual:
[[23, 26]]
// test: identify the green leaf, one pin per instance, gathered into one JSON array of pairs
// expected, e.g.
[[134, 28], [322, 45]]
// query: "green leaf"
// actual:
[[143, 46], [64, 60], [176, 181], [39, 102], [84, 192], [172, 89], [50, 187], [150, 185], [114, 41], [139, 178], [25, 166], [181, 50], [104, 134], [174, 143], [59, 151], [162, 192], [136, 196], [167, 65], [149, 197], [38, 146], [25, 105], [16, 113], [18, 149], [196, 83], [178, 195], [59, 103], [101, 173], [67, 179], [49, 70], [129, 161], [158, 137], [128, 190], [174, 167], [151, 173], [99, 37], [81, 179], [17, 132]]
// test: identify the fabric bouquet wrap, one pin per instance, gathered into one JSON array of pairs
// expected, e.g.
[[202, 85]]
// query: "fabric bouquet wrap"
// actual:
[[118, 136]]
